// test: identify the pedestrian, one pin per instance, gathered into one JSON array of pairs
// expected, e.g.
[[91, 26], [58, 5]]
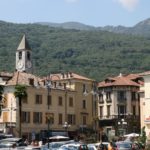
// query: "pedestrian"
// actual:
[[14, 147], [26, 142], [101, 147], [110, 146]]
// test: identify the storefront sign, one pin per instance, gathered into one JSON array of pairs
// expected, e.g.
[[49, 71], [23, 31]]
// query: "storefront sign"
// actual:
[[147, 120]]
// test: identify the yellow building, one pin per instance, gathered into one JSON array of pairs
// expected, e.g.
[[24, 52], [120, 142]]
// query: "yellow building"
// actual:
[[55, 103]]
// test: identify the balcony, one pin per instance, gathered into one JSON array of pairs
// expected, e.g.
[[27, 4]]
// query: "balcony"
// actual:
[[107, 117]]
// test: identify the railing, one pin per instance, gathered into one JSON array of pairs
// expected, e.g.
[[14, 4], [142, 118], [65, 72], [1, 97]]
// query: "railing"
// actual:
[[107, 117], [118, 117]]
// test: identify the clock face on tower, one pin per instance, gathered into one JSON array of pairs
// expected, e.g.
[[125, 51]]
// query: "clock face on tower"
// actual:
[[20, 64], [29, 64]]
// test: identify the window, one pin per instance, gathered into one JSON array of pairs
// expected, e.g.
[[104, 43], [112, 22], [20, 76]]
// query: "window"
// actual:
[[70, 101], [108, 110], [37, 117], [71, 119], [121, 109], [38, 99], [101, 111], [108, 95], [31, 81], [49, 100], [60, 119], [20, 55], [84, 88], [101, 100], [133, 96], [28, 55], [25, 100], [121, 95], [60, 103], [84, 120], [84, 104], [49, 118], [25, 117], [134, 110]]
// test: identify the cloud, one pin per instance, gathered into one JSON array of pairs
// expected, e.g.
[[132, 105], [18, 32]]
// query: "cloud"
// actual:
[[130, 5], [71, 1]]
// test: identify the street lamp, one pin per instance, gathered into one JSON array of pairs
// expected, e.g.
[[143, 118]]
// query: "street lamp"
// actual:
[[48, 116], [66, 126], [94, 93], [122, 123], [48, 86]]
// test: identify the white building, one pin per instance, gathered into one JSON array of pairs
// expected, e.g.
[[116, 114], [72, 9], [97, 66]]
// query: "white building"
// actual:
[[145, 103]]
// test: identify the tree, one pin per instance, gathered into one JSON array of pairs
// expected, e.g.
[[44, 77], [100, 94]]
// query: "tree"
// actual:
[[20, 93], [143, 136]]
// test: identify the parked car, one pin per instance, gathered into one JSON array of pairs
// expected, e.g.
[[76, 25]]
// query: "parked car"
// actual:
[[18, 141], [53, 145], [74, 146], [124, 145], [30, 147], [92, 147], [104, 143]]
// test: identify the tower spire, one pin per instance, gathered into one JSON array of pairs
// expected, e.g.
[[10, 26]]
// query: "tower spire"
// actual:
[[24, 45]]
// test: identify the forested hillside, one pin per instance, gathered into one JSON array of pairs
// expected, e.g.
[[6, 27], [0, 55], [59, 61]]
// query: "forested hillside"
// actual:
[[95, 54]]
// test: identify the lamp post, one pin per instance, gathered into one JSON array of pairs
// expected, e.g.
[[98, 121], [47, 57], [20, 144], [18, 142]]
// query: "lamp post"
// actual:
[[94, 105], [66, 126], [48, 126], [48, 86], [122, 123]]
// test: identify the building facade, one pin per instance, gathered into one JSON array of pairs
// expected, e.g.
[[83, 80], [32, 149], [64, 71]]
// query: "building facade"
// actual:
[[55, 105], [119, 105], [145, 103]]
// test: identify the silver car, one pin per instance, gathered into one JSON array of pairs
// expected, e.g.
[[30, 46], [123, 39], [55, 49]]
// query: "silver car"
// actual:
[[123, 145]]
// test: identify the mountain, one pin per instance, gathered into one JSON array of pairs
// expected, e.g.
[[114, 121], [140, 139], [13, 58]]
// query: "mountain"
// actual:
[[141, 28], [94, 53], [69, 25]]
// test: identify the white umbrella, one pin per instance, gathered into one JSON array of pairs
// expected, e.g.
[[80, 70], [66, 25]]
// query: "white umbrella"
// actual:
[[132, 135], [57, 137]]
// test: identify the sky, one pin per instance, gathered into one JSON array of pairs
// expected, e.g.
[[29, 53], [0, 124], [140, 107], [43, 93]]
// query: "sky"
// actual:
[[90, 12]]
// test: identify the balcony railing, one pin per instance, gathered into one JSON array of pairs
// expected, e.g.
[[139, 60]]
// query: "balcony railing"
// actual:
[[118, 116], [107, 117]]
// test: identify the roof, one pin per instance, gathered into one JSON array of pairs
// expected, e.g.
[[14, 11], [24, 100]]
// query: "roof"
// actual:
[[6, 74], [23, 78], [24, 45], [127, 80], [145, 73], [69, 75]]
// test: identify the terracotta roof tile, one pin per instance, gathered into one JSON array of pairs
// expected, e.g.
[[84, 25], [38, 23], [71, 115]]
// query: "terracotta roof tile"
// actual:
[[6, 74], [119, 81], [145, 73], [68, 76], [23, 78]]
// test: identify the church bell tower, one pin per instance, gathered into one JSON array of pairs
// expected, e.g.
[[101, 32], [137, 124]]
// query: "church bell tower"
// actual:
[[23, 56]]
